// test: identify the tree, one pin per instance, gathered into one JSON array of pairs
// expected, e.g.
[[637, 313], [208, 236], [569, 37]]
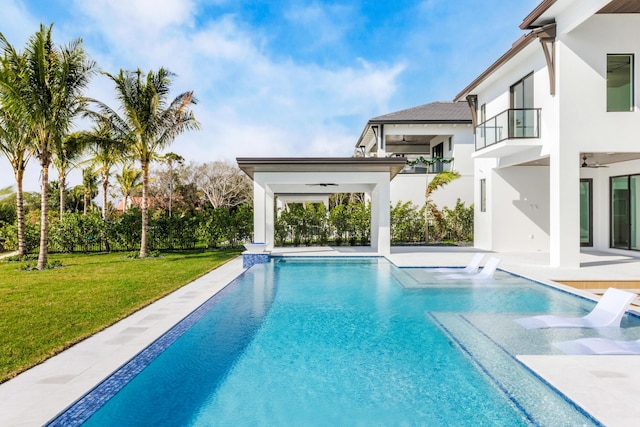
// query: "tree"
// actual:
[[148, 123], [47, 95], [129, 180], [170, 159], [14, 140], [431, 212], [90, 187], [223, 184], [105, 151], [64, 159]]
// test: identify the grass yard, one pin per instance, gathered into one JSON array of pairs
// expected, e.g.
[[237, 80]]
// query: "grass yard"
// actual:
[[44, 312]]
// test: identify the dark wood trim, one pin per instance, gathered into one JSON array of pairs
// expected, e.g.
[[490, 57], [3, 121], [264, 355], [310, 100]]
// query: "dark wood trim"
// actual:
[[547, 37], [472, 100], [528, 21]]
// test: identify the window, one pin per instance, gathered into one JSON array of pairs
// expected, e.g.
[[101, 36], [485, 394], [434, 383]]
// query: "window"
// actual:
[[483, 195], [450, 144], [522, 93], [483, 113], [522, 117], [620, 82], [437, 153]]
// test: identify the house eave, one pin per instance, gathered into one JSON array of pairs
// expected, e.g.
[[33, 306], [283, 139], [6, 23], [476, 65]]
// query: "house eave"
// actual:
[[392, 165]]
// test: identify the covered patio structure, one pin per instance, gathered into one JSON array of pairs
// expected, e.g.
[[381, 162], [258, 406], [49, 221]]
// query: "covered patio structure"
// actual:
[[300, 177]]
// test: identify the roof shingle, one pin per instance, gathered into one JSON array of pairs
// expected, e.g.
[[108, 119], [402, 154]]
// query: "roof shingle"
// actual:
[[437, 112]]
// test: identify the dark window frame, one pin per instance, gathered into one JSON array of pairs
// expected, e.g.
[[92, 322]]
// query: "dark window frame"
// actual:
[[590, 242], [632, 88]]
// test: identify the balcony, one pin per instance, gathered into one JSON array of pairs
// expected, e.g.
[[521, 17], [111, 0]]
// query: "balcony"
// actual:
[[511, 128], [432, 165]]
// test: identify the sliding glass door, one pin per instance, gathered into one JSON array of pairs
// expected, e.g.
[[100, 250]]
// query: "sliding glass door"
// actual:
[[586, 212], [625, 212]]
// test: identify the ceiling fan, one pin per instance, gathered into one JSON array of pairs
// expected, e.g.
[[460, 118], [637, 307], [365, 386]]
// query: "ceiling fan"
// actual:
[[594, 165], [323, 184]]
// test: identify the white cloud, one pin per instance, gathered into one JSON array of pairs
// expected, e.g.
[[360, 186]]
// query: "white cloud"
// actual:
[[250, 104], [327, 23]]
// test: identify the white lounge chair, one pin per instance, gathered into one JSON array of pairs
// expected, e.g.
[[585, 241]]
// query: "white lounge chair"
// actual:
[[486, 273], [471, 268], [607, 313], [598, 346]]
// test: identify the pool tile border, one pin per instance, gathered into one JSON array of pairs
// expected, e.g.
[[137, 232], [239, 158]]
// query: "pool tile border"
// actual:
[[82, 409]]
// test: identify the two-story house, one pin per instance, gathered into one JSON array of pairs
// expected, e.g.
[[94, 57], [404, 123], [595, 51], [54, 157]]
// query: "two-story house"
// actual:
[[441, 133], [557, 134]]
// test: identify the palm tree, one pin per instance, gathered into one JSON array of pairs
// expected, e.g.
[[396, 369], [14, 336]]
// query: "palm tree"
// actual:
[[48, 95], [129, 179], [64, 159], [13, 144], [170, 158], [105, 152], [149, 124], [439, 180], [90, 187]]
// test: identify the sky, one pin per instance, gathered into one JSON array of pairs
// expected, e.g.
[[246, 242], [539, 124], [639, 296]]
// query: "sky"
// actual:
[[278, 78]]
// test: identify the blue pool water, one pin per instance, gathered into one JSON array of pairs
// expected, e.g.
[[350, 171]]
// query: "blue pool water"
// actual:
[[345, 342]]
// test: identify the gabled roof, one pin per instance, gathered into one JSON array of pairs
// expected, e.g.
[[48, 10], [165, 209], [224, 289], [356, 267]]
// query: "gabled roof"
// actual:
[[530, 21], [537, 17], [434, 112], [540, 21]]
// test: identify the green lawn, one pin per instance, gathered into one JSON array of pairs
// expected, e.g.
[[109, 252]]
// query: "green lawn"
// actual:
[[44, 312]]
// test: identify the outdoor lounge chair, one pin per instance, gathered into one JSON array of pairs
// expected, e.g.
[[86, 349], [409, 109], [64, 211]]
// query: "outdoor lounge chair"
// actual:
[[598, 346], [486, 273], [607, 313], [471, 268]]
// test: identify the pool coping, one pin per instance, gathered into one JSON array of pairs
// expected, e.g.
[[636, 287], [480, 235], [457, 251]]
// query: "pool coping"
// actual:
[[39, 394]]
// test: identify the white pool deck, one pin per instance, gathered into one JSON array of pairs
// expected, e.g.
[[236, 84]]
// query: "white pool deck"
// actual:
[[608, 387]]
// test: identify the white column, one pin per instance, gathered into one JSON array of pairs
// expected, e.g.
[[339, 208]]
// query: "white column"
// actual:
[[564, 193], [269, 218], [259, 219], [381, 218]]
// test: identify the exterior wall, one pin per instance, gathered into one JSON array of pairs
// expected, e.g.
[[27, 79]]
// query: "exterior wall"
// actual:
[[573, 121], [587, 124], [483, 221], [412, 187], [519, 203]]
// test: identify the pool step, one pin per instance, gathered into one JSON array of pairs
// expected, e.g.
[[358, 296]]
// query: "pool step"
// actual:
[[526, 391]]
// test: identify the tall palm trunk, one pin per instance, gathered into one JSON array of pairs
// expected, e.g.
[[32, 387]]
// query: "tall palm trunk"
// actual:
[[105, 188], [145, 210], [20, 213], [62, 181], [44, 229]]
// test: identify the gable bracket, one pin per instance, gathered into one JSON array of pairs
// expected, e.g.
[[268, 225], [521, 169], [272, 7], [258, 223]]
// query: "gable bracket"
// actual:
[[547, 37], [472, 100]]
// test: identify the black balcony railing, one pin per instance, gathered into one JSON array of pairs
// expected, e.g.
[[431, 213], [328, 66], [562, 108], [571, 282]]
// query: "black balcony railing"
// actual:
[[432, 165], [515, 123]]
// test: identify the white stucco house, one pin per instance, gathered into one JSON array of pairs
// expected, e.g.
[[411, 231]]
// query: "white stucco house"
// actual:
[[438, 130], [557, 134]]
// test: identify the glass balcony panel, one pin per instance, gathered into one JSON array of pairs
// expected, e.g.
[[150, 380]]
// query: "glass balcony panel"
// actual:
[[510, 124]]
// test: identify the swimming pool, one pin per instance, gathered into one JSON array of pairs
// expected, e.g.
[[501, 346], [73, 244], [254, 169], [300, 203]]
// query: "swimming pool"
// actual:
[[344, 341]]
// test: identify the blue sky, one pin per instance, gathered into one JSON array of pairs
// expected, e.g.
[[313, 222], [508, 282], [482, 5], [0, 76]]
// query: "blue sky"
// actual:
[[280, 78]]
